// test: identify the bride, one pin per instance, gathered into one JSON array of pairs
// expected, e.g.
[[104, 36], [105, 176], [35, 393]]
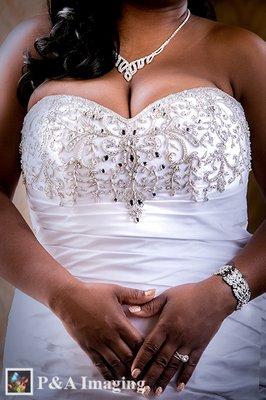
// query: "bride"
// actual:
[[136, 124]]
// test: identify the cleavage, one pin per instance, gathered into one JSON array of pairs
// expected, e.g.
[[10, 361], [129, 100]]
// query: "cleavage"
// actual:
[[120, 99]]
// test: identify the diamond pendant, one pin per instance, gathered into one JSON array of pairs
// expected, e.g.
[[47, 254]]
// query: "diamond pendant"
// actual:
[[128, 69]]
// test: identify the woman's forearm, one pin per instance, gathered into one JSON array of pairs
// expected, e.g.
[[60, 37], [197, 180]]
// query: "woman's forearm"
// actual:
[[24, 262], [251, 261]]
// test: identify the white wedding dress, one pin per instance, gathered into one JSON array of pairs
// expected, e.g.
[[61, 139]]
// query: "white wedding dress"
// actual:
[[157, 200]]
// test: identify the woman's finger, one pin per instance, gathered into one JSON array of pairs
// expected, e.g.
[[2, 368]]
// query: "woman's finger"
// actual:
[[101, 364], [133, 296], [123, 352], [148, 350], [114, 362], [188, 369], [149, 309], [174, 366], [158, 366]]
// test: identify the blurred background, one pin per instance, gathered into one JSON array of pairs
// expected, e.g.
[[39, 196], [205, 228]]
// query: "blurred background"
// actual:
[[250, 14]]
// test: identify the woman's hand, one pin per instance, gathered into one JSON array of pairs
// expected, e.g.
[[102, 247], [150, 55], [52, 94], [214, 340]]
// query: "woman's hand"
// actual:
[[93, 315], [190, 315]]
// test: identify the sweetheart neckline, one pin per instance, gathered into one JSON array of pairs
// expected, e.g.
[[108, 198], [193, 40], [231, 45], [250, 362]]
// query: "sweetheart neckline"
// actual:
[[139, 114]]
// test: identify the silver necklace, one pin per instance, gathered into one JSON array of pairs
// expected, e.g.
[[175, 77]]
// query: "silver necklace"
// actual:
[[128, 69]]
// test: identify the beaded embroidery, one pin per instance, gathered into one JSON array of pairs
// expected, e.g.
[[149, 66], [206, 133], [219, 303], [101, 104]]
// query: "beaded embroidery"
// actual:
[[195, 142]]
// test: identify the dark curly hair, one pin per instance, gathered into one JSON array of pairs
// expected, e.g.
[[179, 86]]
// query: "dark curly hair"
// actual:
[[82, 43]]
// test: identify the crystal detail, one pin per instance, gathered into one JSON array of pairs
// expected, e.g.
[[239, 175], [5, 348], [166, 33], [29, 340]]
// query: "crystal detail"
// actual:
[[73, 147], [240, 288]]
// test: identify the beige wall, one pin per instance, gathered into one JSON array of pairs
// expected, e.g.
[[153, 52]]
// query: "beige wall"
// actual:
[[247, 13], [14, 11], [250, 14]]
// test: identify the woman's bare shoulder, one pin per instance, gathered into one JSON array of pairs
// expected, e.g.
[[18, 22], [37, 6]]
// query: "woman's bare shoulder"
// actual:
[[224, 34], [236, 48], [236, 40]]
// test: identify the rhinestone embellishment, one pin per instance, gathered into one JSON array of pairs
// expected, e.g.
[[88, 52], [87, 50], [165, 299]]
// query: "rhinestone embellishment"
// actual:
[[193, 143], [233, 277]]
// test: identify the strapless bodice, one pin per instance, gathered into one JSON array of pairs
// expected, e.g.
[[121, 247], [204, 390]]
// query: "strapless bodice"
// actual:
[[189, 146], [108, 193]]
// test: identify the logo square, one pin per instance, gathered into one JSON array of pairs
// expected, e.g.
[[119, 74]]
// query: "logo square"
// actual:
[[19, 382]]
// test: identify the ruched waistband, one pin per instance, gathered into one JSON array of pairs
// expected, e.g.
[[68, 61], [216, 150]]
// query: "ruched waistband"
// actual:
[[220, 218], [176, 241]]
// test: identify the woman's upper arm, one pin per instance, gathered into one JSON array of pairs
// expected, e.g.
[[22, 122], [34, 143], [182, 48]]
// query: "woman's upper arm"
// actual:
[[11, 113], [250, 85]]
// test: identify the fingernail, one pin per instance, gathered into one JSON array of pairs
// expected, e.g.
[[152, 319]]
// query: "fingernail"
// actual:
[[135, 373], [134, 309], [159, 391], [146, 390], [181, 387], [150, 292]]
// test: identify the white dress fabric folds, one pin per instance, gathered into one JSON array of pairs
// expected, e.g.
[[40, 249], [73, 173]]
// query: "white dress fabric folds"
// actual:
[[157, 200]]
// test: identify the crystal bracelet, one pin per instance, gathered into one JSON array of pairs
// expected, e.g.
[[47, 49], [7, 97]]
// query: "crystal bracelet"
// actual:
[[240, 288]]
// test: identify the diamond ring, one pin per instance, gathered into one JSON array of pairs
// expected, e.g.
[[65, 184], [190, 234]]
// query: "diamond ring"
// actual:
[[181, 357]]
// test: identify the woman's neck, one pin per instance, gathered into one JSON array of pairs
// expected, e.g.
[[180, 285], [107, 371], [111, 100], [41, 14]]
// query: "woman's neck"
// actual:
[[148, 21]]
